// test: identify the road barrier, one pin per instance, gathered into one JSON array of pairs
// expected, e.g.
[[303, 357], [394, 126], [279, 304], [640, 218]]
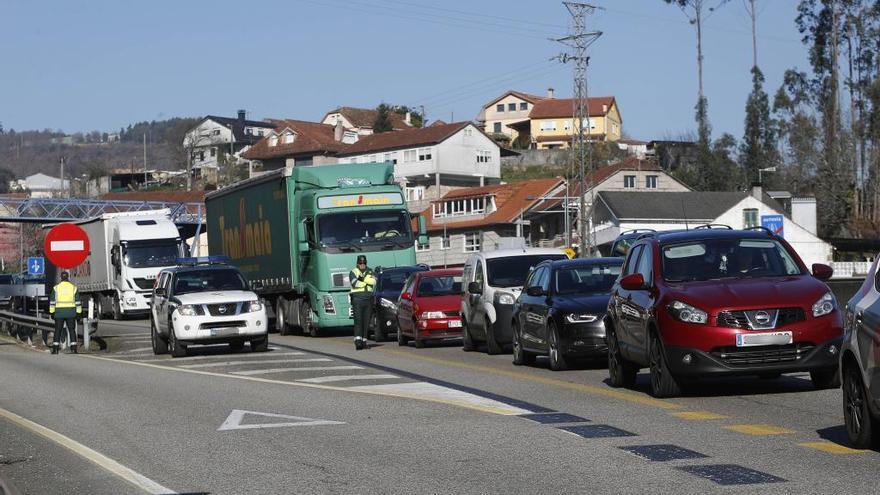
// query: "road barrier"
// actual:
[[24, 326]]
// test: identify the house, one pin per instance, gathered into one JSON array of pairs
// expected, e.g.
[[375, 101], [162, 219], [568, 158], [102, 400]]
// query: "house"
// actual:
[[486, 218], [509, 108], [430, 161], [618, 211], [215, 136], [359, 121], [41, 186], [298, 143], [552, 124]]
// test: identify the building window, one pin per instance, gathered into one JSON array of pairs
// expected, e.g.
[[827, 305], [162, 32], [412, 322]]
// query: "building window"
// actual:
[[201, 156], [497, 127], [629, 181], [471, 242], [499, 107], [614, 128], [391, 157], [249, 131], [216, 132], [424, 154], [523, 106], [511, 107], [468, 132], [423, 247], [409, 156], [750, 218], [566, 125], [445, 242], [288, 137], [484, 156], [548, 125], [461, 207], [415, 193], [213, 152], [651, 182], [273, 140]]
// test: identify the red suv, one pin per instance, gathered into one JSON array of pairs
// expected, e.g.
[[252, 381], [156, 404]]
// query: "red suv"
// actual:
[[712, 302]]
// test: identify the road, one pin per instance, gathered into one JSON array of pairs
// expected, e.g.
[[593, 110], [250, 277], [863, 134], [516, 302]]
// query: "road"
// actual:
[[313, 415]]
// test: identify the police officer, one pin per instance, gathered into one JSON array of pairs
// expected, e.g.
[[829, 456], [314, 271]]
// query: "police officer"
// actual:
[[64, 306], [362, 285]]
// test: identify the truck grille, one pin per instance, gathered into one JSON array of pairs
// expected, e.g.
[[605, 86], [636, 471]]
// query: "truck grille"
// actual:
[[741, 319], [228, 309], [771, 354], [144, 283]]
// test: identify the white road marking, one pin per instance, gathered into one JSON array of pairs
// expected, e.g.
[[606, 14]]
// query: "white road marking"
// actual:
[[137, 350], [342, 378], [129, 475], [215, 356], [233, 422], [425, 390], [235, 363], [66, 246], [285, 370]]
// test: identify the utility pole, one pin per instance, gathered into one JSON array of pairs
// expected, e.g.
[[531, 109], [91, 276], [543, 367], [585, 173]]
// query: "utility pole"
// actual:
[[62, 177], [145, 161], [579, 40]]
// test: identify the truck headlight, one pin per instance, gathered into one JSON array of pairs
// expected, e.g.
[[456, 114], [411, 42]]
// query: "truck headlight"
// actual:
[[186, 310], [385, 303], [433, 315], [329, 307], [254, 306], [580, 318], [687, 313], [824, 305], [506, 298]]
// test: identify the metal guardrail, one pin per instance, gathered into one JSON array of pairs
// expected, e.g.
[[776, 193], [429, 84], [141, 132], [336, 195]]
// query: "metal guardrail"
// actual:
[[16, 325]]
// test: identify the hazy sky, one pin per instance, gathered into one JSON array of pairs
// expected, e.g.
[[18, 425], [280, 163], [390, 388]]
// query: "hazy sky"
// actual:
[[80, 65]]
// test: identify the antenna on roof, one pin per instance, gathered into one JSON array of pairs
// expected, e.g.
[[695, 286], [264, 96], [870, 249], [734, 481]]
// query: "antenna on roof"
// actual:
[[684, 214]]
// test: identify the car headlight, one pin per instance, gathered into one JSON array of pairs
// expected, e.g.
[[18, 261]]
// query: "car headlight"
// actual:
[[254, 306], [433, 315], [187, 310], [824, 305], [580, 318], [505, 298], [385, 303], [329, 307], [687, 313]]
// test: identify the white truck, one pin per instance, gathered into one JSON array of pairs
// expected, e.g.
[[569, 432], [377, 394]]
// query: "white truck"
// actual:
[[127, 252]]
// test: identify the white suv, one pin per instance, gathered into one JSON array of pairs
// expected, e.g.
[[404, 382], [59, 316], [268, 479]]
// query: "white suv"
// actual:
[[204, 301], [492, 281]]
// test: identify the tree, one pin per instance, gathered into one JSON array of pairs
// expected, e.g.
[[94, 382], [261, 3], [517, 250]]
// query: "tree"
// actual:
[[383, 119], [415, 118], [758, 149], [230, 169]]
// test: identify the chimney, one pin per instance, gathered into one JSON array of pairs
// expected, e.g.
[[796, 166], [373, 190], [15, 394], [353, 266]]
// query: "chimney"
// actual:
[[550, 93], [803, 213], [241, 115], [338, 131], [758, 191], [407, 118], [604, 108]]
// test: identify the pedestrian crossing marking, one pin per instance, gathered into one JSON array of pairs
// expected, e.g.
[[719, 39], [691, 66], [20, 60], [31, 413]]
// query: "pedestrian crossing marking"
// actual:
[[832, 448], [342, 378], [429, 391], [262, 361], [759, 429], [285, 370], [699, 415], [255, 357]]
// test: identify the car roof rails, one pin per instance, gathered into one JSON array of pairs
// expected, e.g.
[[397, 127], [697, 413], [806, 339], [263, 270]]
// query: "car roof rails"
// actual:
[[636, 231], [646, 235], [711, 226], [761, 228]]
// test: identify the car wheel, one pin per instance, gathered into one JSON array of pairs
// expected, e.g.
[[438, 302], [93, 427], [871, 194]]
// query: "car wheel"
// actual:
[[557, 359], [309, 327], [621, 372], [467, 342], [861, 426], [825, 379], [520, 356], [176, 348], [492, 346], [378, 332], [236, 345], [159, 344], [260, 345], [402, 340], [663, 384]]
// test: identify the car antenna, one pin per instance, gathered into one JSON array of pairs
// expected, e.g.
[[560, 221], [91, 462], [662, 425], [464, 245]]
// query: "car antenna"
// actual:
[[684, 214]]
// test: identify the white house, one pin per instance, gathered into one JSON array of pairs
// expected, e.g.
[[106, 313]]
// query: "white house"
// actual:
[[359, 121], [41, 185], [214, 136]]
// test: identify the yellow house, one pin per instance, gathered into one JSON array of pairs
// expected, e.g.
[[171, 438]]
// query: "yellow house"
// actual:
[[512, 107], [552, 124]]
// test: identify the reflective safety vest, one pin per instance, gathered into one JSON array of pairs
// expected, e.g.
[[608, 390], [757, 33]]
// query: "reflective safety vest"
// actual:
[[357, 285], [64, 295]]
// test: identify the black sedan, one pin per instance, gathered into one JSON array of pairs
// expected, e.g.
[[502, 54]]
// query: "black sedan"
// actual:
[[561, 309], [389, 282]]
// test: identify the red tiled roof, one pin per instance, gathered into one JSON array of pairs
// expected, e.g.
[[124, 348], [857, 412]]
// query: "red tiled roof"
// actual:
[[533, 99], [365, 117], [311, 138], [602, 174], [564, 107], [404, 139], [510, 199]]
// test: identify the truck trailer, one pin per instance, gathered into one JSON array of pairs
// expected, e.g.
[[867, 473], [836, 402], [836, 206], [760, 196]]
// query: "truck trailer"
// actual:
[[127, 251], [298, 231]]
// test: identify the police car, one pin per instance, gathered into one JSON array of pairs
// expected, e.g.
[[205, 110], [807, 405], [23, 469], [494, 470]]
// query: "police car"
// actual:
[[205, 301]]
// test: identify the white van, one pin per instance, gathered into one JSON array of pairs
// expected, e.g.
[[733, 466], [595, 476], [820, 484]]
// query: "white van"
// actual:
[[491, 283]]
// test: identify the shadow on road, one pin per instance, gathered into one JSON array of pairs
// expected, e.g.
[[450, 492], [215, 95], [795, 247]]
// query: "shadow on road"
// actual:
[[837, 434], [733, 386]]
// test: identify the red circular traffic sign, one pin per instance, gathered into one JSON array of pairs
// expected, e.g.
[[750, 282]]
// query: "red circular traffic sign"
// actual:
[[66, 245]]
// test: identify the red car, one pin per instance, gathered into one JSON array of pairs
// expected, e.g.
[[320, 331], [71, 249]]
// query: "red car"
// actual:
[[429, 307]]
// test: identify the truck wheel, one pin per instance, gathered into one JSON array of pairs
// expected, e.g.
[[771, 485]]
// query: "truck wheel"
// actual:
[[309, 327], [492, 345], [159, 344], [281, 323], [116, 309]]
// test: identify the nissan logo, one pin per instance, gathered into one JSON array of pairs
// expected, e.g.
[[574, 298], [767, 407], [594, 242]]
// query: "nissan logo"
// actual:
[[762, 317], [222, 309]]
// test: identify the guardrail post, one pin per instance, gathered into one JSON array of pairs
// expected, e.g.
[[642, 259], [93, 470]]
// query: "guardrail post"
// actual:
[[87, 328]]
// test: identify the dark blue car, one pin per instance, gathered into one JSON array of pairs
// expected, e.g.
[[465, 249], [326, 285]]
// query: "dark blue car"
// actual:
[[561, 309], [389, 282]]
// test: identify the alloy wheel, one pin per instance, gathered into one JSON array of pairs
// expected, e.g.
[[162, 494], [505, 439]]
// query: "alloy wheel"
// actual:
[[854, 403]]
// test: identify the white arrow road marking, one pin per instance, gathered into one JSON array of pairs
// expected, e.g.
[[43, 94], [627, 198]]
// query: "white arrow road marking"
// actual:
[[235, 363], [233, 422], [66, 246], [285, 370], [342, 378]]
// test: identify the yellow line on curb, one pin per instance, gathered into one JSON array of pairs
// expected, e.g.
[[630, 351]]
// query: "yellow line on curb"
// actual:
[[698, 415], [832, 448], [589, 389], [101, 460], [759, 429]]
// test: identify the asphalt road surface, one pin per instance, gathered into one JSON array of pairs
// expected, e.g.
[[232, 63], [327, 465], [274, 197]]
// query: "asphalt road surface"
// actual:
[[312, 415]]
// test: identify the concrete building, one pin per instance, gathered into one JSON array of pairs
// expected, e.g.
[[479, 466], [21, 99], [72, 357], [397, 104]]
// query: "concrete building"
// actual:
[[552, 123], [359, 121], [298, 143], [215, 136], [41, 186]]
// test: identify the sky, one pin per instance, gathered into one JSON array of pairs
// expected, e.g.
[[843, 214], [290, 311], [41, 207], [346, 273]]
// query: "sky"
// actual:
[[82, 65]]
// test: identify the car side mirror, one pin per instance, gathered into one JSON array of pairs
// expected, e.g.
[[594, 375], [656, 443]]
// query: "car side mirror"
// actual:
[[536, 291], [257, 285], [634, 281], [160, 291], [822, 271], [406, 296], [475, 288]]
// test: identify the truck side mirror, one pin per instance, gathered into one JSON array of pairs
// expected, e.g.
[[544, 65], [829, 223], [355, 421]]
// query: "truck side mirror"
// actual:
[[303, 245], [160, 291], [423, 230]]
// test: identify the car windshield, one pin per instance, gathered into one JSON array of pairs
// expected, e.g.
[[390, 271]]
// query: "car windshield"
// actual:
[[592, 279], [442, 285], [727, 258], [361, 227], [512, 271], [208, 280], [393, 281], [151, 255]]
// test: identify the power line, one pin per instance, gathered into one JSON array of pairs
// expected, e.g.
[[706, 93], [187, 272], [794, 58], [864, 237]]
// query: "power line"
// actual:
[[492, 84], [474, 14], [478, 82]]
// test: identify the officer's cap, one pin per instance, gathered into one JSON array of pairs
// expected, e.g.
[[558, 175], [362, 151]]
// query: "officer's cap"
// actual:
[[362, 259]]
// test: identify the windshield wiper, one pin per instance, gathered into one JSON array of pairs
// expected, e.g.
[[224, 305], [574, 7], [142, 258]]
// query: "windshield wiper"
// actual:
[[349, 244]]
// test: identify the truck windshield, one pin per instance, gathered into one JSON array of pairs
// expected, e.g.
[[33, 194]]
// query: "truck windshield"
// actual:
[[138, 255], [208, 280], [512, 271], [362, 227]]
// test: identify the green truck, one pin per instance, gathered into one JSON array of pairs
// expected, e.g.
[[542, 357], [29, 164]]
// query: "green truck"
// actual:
[[295, 233]]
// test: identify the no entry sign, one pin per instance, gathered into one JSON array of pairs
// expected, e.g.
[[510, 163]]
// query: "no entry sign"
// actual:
[[66, 245]]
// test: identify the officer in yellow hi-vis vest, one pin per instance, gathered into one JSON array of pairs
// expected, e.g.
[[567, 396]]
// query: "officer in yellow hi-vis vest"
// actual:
[[65, 307], [362, 285]]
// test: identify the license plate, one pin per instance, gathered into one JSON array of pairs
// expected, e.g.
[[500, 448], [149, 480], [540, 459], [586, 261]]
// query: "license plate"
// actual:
[[454, 323], [220, 332], [769, 338]]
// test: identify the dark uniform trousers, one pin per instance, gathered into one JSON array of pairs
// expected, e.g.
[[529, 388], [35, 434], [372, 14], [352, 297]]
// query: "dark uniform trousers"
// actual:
[[362, 309]]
